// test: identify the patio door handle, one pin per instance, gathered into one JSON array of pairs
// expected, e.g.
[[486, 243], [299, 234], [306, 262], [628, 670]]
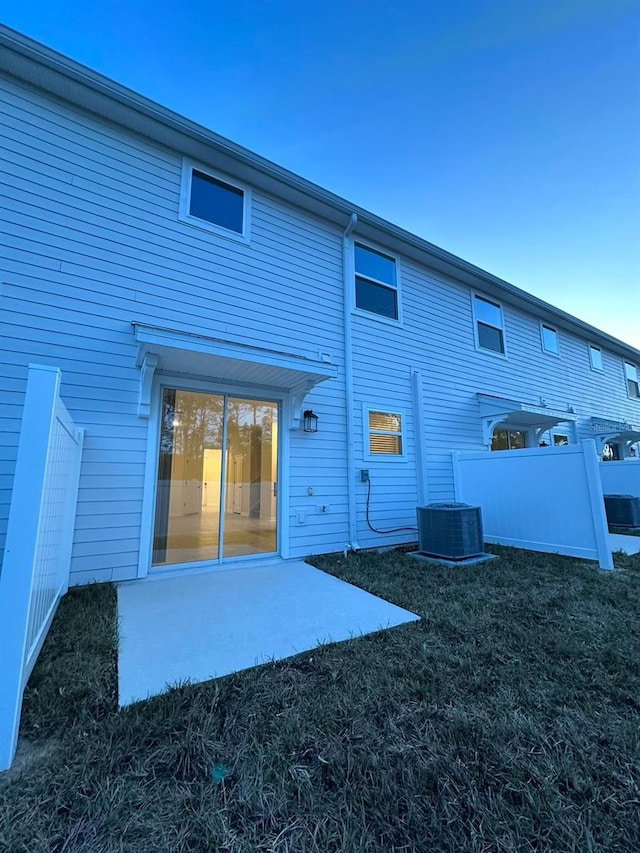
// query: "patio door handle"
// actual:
[[275, 490]]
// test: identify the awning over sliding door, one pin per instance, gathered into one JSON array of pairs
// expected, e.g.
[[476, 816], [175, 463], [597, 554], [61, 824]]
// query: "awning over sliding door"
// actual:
[[243, 365]]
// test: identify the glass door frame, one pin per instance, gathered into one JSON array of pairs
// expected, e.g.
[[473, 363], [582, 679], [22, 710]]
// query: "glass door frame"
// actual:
[[219, 388]]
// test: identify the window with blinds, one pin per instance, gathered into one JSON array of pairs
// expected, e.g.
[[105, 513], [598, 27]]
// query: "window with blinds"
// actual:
[[385, 433]]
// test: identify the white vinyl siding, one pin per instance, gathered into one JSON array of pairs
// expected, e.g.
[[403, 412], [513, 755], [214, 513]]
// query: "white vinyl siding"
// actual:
[[92, 241]]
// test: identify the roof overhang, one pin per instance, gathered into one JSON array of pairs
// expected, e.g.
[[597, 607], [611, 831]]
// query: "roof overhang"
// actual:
[[239, 365], [515, 414]]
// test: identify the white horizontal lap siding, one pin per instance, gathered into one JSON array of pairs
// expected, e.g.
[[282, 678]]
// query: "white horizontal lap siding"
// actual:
[[382, 364], [318, 463], [440, 336], [92, 241]]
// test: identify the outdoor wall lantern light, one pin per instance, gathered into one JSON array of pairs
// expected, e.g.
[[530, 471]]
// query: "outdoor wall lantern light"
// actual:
[[310, 421]]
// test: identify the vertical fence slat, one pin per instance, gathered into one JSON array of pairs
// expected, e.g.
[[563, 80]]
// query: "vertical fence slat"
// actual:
[[35, 570]]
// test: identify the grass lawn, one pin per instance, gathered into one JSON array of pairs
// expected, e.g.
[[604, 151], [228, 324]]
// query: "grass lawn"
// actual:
[[507, 719]]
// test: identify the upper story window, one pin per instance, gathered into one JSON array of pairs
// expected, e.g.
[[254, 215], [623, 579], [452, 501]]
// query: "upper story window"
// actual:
[[633, 381], [384, 433], [595, 357], [213, 203], [549, 337], [376, 282], [489, 323]]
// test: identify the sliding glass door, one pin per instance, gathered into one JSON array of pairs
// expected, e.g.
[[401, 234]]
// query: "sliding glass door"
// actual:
[[217, 478]]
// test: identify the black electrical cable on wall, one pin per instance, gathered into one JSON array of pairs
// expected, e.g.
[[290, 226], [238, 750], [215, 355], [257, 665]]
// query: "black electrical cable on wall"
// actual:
[[375, 529]]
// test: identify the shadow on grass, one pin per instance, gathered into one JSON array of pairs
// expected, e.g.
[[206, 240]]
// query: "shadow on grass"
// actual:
[[506, 720]]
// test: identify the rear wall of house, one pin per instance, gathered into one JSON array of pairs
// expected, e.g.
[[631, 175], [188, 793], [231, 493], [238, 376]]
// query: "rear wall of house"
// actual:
[[91, 242], [436, 336]]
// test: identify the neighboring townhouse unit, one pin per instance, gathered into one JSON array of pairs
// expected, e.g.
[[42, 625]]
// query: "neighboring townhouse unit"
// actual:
[[261, 367]]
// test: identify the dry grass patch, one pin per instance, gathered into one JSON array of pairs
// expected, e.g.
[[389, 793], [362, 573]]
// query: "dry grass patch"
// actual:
[[506, 720]]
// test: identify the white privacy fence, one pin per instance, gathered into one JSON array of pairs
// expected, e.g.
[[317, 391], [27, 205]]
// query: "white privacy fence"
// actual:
[[621, 478], [35, 569], [543, 499]]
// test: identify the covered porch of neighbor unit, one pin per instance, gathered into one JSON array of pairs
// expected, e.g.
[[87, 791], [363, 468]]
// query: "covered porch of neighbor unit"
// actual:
[[197, 626]]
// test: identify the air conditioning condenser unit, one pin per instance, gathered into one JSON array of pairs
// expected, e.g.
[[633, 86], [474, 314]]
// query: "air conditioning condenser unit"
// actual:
[[622, 510], [452, 531]]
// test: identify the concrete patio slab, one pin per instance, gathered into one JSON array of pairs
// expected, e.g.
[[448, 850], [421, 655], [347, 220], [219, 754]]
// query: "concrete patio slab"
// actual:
[[201, 626], [628, 544]]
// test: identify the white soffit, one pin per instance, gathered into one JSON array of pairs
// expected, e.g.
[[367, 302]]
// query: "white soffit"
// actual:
[[174, 351], [515, 414]]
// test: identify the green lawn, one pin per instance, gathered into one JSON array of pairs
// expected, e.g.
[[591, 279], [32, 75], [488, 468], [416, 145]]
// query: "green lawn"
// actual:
[[507, 719]]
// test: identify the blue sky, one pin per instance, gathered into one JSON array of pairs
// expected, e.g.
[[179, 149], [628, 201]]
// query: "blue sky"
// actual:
[[507, 132]]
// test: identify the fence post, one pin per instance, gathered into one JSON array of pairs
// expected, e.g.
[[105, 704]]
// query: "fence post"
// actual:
[[72, 503], [596, 500], [43, 384]]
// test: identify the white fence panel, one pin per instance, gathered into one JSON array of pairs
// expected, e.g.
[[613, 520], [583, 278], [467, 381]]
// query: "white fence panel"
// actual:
[[621, 478], [541, 499], [35, 569]]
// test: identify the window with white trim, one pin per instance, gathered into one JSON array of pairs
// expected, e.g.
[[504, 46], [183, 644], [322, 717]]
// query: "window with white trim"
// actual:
[[560, 439], [595, 357], [549, 337], [633, 382], [384, 433], [489, 323], [376, 282], [211, 202]]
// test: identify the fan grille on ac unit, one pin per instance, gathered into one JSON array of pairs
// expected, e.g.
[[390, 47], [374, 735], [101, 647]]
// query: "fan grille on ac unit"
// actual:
[[452, 531]]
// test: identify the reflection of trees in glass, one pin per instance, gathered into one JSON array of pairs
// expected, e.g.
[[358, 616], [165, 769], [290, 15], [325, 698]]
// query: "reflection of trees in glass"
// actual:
[[248, 423], [191, 422]]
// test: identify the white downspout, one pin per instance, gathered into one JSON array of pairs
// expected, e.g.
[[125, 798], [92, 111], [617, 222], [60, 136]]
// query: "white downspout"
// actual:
[[418, 428], [349, 289]]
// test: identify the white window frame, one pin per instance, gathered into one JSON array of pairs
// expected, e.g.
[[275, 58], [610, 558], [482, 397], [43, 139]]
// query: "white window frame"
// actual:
[[390, 410], [476, 320], [592, 347], [627, 379], [371, 315], [188, 167], [553, 329]]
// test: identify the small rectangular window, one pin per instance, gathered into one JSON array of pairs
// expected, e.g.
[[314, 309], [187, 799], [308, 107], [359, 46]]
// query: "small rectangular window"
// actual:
[[633, 383], [376, 282], [213, 203], [560, 440], [595, 357], [508, 439], [384, 432], [549, 339], [489, 324]]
